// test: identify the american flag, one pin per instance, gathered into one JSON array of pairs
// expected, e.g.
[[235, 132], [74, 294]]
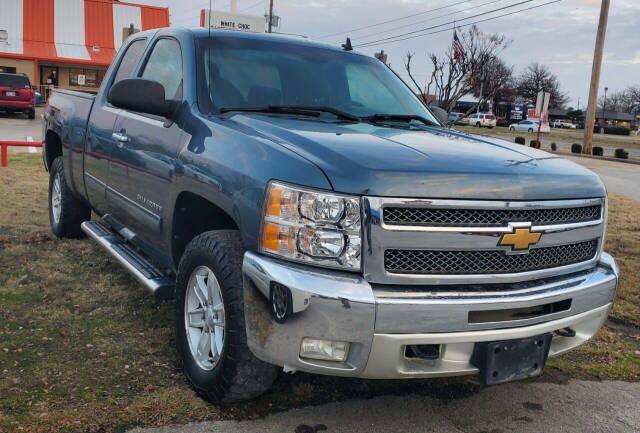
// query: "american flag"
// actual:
[[458, 49]]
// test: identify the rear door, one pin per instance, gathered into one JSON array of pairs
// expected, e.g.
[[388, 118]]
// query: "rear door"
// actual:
[[144, 170], [101, 147]]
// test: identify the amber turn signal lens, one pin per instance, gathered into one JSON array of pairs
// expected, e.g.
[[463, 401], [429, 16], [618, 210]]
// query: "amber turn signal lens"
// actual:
[[275, 201], [270, 236]]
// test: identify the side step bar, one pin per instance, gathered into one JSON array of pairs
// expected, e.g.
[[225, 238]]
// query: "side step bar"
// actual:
[[160, 285]]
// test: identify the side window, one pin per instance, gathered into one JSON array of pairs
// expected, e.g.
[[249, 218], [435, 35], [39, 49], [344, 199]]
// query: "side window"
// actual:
[[130, 60], [165, 67]]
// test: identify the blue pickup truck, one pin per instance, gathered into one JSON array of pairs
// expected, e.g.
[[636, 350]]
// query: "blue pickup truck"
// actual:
[[305, 211]]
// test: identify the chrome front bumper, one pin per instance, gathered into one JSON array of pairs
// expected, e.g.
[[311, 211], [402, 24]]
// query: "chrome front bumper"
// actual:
[[380, 321]]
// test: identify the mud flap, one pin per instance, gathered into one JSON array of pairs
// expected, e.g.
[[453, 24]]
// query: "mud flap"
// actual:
[[508, 360]]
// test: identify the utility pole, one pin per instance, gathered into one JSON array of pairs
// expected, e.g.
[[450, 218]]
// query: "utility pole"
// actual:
[[270, 14], [590, 115]]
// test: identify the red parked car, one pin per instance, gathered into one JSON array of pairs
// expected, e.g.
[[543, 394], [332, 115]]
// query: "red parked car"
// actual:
[[16, 94]]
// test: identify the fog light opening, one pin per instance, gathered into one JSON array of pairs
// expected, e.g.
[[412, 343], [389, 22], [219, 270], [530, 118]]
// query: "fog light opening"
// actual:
[[429, 352], [281, 302], [325, 350]]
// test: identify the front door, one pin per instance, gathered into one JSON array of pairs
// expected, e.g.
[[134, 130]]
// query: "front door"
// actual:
[[144, 170], [101, 147]]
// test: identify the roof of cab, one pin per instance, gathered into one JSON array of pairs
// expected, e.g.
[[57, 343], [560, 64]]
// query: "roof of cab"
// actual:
[[200, 32]]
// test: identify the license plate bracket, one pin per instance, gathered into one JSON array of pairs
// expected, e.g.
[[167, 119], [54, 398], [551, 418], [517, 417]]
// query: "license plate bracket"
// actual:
[[509, 360]]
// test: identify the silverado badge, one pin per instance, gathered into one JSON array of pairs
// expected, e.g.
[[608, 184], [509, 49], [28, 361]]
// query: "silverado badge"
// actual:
[[520, 239]]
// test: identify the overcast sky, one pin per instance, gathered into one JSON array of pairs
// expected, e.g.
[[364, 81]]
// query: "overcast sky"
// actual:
[[560, 35]]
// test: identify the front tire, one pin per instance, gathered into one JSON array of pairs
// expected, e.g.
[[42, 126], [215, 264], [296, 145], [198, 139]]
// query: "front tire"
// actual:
[[66, 212], [211, 335], [31, 114], [530, 130], [478, 125]]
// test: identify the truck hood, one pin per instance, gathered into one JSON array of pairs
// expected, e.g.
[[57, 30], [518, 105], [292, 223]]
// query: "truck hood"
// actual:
[[427, 162]]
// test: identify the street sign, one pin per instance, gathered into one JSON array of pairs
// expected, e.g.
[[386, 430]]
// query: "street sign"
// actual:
[[232, 21]]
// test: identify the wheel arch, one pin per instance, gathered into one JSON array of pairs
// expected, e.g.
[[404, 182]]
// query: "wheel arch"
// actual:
[[194, 214], [52, 148]]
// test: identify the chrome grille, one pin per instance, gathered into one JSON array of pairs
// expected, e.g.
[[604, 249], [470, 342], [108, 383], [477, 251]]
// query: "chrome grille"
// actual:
[[432, 262], [438, 216]]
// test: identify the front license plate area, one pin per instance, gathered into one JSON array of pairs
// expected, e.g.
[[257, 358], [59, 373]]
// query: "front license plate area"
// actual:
[[10, 93], [508, 360]]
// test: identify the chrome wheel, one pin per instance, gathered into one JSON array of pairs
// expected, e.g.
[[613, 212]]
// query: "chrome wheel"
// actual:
[[56, 198], [204, 318]]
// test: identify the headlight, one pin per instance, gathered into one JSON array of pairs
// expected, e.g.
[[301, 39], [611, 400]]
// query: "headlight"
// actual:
[[311, 226]]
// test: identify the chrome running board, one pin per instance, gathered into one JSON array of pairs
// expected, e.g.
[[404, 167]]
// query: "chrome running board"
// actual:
[[160, 285]]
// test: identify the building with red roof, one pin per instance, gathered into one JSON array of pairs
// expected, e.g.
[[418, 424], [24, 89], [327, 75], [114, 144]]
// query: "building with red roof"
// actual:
[[69, 43]]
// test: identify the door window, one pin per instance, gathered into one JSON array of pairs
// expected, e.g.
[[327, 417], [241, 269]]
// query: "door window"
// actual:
[[130, 60], [165, 67]]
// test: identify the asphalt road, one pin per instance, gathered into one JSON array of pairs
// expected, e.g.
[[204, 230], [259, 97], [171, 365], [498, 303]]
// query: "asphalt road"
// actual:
[[532, 406], [618, 177]]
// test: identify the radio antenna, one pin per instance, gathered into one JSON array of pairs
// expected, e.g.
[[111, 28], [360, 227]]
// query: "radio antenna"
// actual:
[[209, 19]]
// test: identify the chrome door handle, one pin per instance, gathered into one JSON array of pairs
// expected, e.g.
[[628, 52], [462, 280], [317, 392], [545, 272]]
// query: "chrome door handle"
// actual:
[[120, 137]]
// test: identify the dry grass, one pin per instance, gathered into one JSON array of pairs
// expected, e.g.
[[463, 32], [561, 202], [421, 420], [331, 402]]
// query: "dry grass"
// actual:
[[83, 348]]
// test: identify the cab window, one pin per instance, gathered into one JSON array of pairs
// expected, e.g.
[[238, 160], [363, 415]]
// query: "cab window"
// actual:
[[130, 60], [165, 66]]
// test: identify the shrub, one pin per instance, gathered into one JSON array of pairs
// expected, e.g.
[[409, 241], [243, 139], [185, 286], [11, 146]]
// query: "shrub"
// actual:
[[576, 148], [533, 143], [621, 153], [520, 140], [617, 130], [554, 147], [597, 151]]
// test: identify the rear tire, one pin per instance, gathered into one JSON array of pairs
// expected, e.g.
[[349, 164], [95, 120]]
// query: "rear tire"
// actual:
[[31, 114], [66, 212], [232, 373], [478, 125], [530, 130]]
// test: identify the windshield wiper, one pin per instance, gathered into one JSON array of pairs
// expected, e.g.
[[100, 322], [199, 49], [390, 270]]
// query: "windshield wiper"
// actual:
[[295, 109], [398, 118]]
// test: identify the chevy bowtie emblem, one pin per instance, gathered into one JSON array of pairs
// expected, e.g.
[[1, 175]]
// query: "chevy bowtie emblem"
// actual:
[[521, 239]]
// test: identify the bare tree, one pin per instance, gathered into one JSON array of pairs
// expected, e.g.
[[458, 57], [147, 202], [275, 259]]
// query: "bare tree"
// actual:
[[452, 78], [627, 100], [537, 77]]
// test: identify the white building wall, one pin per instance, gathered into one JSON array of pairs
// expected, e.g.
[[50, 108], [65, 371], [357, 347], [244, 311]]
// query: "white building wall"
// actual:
[[124, 16], [11, 21], [69, 29]]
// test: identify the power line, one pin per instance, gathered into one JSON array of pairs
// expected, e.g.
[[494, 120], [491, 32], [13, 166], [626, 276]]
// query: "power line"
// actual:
[[444, 24], [393, 20], [252, 6], [369, 44], [430, 19]]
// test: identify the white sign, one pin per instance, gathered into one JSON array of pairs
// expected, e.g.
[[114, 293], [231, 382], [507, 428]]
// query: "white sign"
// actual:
[[82, 79], [231, 21]]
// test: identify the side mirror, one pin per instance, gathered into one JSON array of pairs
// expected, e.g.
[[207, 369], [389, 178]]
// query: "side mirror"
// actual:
[[441, 114], [141, 95]]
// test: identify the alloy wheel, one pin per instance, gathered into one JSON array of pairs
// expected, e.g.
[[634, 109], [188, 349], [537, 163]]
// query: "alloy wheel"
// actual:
[[204, 317]]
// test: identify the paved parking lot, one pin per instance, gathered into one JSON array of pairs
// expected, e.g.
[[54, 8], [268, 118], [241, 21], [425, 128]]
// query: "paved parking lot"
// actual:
[[533, 406]]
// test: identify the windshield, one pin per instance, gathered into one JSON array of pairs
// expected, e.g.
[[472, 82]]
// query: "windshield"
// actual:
[[8, 80], [236, 72]]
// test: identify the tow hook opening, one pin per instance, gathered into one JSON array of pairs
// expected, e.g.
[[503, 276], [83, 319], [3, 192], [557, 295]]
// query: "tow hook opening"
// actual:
[[429, 352], [566, 332]]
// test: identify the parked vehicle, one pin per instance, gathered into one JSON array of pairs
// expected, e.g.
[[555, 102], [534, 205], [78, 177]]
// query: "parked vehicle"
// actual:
[[464, 121], [454, 116], [529, 126], [482, 120], [560, 123], [307, 212], [16, 94]]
